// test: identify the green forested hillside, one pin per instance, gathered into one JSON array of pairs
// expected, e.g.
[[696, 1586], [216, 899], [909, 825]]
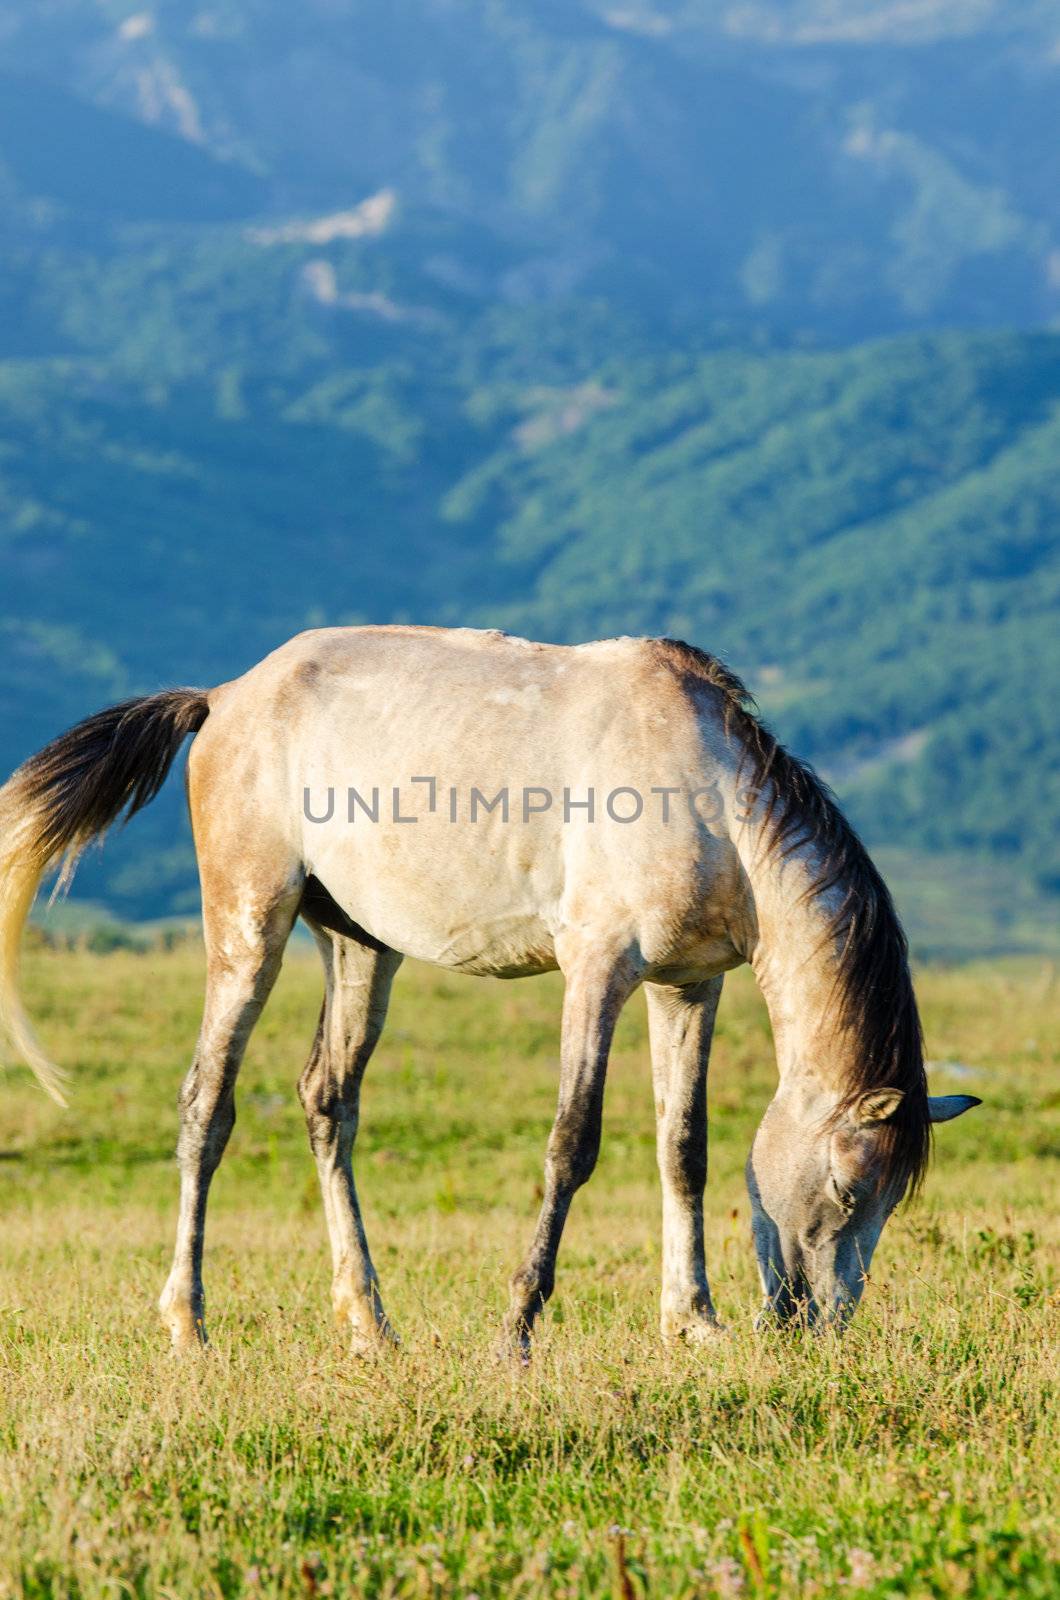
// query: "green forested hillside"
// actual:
[[557, 317], [869, 534], [849, 168]]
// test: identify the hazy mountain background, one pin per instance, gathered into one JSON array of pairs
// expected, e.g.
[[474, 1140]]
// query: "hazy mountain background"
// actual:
[[727, 320]]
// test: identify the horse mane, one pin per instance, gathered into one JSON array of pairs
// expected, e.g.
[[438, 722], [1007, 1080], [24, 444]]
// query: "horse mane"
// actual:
[[873, 988]]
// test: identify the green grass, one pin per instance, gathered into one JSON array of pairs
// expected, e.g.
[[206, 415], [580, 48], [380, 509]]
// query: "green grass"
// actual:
[[916, 1457]]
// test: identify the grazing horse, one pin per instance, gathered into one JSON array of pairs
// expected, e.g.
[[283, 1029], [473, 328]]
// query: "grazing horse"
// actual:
[[499, 807]]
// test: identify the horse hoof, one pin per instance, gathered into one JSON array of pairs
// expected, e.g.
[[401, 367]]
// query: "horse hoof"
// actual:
[[697, 1331], [364, 1348], [188, 1345], [187, 1330], [373, 1344], [513, 1349]]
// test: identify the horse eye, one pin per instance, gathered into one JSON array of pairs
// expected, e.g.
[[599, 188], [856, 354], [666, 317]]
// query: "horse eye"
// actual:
[[845, 1199]]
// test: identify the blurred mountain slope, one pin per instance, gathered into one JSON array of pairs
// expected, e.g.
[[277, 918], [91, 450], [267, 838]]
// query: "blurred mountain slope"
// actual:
[[576, 317], [870, 535], [841, 170]]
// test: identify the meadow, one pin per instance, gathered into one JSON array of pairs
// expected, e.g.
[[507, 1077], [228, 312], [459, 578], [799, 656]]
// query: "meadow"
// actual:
[[918, 1456]]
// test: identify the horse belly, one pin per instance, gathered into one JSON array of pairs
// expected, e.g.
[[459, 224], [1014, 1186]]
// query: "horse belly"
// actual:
[[474, 912]]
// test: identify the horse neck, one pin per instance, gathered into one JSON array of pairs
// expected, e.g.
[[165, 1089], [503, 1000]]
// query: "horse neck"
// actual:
[[795, 963]]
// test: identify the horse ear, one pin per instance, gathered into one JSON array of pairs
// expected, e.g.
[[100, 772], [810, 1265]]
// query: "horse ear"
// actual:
[[944, 1107], [877, 1105]]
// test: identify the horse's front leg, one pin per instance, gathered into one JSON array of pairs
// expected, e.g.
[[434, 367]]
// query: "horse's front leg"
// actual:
[[598, 984], [681, 1022]]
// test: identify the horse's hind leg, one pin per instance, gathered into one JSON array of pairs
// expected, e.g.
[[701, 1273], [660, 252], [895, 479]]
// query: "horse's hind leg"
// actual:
[[358, 983], [248, 913]]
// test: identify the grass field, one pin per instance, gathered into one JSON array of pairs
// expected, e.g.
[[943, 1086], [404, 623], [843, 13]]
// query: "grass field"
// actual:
[[918, 1456]]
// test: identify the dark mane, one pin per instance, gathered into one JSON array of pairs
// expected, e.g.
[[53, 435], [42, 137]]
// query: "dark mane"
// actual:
[[873, 990]]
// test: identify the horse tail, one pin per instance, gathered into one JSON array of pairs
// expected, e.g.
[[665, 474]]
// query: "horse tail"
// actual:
[[61, 799]]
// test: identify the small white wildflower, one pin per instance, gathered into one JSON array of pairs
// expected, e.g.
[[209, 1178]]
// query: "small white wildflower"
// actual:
[[862, 1568], [728, 1577]]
